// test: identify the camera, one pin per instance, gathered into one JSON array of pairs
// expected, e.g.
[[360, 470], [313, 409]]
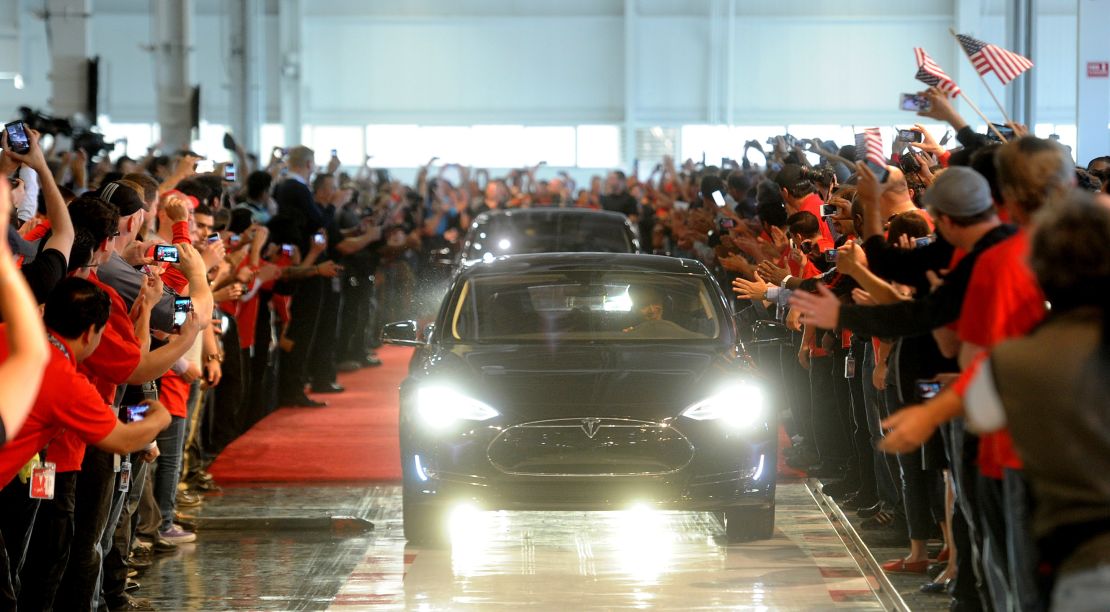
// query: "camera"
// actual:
[[822, 175], [909, 164], [167, 253], [830, 255], [83, 138], [927, 389]]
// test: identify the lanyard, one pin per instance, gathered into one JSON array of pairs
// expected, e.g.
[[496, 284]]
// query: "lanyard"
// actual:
[[58, 344]]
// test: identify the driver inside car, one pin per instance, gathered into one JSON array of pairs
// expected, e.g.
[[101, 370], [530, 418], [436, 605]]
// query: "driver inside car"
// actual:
[[648, 302]]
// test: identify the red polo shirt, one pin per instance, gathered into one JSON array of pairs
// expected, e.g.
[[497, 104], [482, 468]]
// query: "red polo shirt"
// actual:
[[812, 204], [66, 401], [1003, 301], [110, 365]]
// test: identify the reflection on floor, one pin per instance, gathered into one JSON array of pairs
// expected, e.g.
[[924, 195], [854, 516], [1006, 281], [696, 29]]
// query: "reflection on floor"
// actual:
[[541, 560], [612, 560]]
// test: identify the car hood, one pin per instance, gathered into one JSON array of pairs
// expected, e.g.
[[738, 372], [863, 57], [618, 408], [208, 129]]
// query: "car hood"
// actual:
[[652, 381]]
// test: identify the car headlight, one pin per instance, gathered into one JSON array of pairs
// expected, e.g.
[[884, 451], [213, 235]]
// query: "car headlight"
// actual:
[[439, 406], [739, 405]]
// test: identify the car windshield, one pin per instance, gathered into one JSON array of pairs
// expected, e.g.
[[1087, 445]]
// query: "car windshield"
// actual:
[[556, 233], [585, 306]]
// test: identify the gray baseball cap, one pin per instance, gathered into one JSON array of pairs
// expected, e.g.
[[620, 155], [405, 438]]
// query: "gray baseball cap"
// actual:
[[959, 192]]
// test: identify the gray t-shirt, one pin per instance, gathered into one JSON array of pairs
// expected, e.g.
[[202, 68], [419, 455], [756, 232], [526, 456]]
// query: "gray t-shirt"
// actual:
[[126, 280]]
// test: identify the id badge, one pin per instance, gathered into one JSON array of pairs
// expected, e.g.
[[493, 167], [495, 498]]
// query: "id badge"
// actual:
[[116, 459], [42, 481], [849, 367], [125, 477]]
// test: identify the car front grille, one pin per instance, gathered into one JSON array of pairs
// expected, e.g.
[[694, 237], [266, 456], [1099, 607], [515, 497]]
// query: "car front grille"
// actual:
[[580, 447]]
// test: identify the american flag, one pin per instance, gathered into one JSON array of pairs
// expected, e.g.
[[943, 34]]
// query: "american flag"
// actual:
[[930, 73], [987, 57], [870, 144]]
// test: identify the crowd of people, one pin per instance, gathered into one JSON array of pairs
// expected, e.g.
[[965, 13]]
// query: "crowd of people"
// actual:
[[933, 330]]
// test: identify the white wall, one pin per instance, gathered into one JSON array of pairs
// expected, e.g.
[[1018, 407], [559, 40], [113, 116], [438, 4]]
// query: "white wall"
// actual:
[[531, 62]]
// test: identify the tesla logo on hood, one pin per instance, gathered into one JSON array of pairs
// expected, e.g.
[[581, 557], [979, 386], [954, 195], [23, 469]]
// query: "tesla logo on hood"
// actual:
[[590, 426]]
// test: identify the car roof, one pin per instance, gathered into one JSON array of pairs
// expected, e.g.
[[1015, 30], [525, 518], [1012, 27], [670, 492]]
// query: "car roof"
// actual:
[[586, 261], [547, 213]]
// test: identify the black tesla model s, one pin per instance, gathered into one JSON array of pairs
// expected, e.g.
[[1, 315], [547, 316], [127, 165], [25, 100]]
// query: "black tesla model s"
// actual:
[[584, 381]]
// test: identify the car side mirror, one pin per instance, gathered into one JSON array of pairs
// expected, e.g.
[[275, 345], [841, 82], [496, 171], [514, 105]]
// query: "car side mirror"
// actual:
[[402, 333]]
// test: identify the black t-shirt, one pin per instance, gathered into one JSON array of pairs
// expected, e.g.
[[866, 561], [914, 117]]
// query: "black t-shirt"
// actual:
[[44, 273], [621, 202]]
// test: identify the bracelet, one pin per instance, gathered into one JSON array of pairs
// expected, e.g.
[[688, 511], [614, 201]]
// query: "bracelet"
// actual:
[[215, 357], [785, 279]]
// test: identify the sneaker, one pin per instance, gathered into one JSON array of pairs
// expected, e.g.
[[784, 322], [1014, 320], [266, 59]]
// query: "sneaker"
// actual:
[[162, 545], [177, 535]]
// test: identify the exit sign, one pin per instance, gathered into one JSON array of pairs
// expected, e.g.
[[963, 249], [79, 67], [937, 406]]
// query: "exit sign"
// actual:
[[1098, 70]]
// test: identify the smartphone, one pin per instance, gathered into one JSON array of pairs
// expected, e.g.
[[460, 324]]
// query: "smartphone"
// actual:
[[830, 255], [229, 172], [719, 198], [829, 210], [1006, 131], [335, 152], [181, 309], [318, 238], [727, 224], [229, 141], [911, 136], [923, 241], [680, 205], [17, 137], [136, 413], [213, 238], [234, 240], [914, 102], [206, 166], [167, 253], [287, 249], [927, 389], [725, 162]]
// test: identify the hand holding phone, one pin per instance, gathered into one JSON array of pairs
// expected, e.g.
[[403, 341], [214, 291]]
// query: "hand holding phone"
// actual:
[[719, 199], [181, 309], [167, 253], [136, 413], [911, 136], [829, 210], [18, 140], [319, 238], [915, 103]]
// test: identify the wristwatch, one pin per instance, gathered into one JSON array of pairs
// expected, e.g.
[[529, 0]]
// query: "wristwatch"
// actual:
[[785, 279]]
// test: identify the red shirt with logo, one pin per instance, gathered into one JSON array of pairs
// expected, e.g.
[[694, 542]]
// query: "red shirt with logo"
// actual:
[[66, 401], [1003, 301]]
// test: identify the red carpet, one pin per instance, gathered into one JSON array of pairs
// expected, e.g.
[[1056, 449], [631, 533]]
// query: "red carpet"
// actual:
[[353, 439]]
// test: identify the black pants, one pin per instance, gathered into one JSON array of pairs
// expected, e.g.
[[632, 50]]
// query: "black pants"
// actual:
[[17, 519], [859, 428], [828, 414], [219, 424], [354, 317], [321, 368], [48, 554], [922, 486], [96, 484], [303, 324]]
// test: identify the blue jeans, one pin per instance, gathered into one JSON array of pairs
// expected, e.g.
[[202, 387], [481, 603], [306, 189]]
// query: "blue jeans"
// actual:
[[167, 472]]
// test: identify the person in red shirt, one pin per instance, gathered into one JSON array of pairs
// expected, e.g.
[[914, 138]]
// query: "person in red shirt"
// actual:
[[1003, 301], [798, 193], [75, 317]]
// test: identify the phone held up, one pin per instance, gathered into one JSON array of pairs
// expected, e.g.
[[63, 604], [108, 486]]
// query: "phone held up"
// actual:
[[911, 136], [229, 172], [136, 413], [318, 238], [167, 253], [719, 199], [18, 140], [926, 389], [829, 210], [181, 309], [914, 102]]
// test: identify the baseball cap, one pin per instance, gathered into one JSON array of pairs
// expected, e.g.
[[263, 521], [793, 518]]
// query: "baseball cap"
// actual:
[[959, 192], [125, 199]]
